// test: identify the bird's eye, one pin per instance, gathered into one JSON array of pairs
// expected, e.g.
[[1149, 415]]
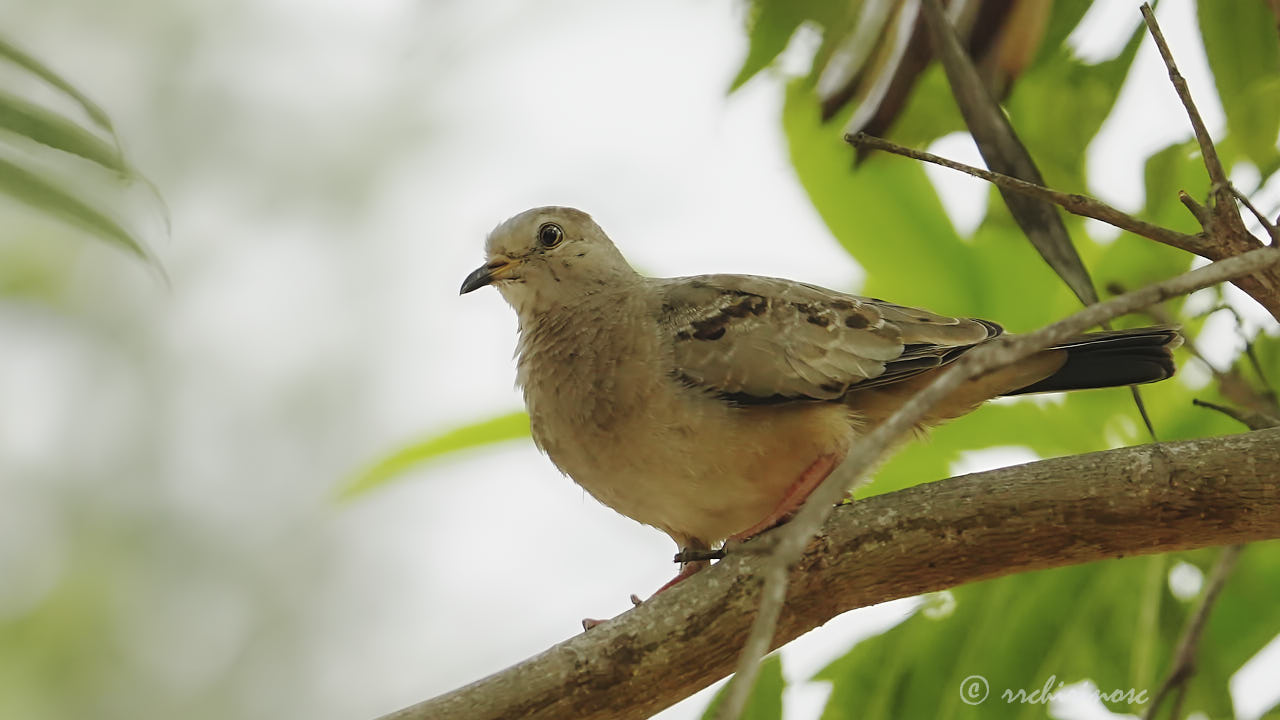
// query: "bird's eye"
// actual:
[[550, 235]]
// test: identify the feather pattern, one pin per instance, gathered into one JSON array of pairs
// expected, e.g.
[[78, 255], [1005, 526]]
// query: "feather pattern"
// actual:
[[757, 339]]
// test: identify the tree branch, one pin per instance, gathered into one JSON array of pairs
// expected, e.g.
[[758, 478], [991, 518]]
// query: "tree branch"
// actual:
[[1074, 203], [1133, 501], [1184, 658], [1225, 230], [786, 545]]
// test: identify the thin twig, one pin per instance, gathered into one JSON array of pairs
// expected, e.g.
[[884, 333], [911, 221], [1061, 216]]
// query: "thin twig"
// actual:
[[1263, 220], [1212, 163], [772, 597], [1225, 232], [1266, 396], [790, 540], [1249, 418], [1074, 203], [1185, 656], [1198, 211]]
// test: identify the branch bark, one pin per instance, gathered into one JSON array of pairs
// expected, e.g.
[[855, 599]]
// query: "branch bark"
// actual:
[[1133, 501]]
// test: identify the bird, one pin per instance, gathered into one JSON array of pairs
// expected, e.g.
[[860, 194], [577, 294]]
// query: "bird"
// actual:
[[711, 406]]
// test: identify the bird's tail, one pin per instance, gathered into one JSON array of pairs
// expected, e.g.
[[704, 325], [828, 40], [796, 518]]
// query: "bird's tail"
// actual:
[[1112, 359]]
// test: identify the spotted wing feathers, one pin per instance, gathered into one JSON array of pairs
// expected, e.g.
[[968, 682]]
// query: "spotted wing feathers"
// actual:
[[754, 339]]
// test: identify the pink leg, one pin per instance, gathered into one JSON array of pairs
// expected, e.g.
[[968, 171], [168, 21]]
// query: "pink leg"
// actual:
[[799, 491], [686, 570]]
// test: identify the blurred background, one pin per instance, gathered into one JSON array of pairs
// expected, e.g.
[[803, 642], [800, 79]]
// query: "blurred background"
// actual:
[[173, 447]]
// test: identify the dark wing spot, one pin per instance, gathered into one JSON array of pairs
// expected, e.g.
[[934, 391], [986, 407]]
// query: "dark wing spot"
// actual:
[[748, 305], [832, 387], [709, 333], [713, 326], [857, 321], [819, 320]]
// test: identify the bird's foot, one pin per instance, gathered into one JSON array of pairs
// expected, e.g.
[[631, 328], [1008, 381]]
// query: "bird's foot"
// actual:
[[799, 491]]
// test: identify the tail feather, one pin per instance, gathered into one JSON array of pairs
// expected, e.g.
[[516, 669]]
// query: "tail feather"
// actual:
[[1112, 359]]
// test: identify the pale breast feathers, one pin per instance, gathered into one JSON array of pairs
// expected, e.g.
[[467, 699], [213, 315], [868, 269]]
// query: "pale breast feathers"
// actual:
[[753, 339]]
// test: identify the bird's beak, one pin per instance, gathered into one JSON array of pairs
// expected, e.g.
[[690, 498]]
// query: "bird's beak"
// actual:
[[494, 270]]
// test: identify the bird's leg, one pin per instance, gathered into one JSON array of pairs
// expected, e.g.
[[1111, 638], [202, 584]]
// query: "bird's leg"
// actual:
[[790, 503], [799, 491], [686, 569], [795, 496]]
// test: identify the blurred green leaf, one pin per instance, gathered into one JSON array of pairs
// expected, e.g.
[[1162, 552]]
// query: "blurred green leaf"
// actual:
[[1066, 15], [65, 195], [930, 112], [512, 426], [886, 214], [47, 128], [1113, 622], [1266, 348], [766, 696], [1243, 48], [1176, 168], [11, 53], [770, 25], [44, 195], [1058, 106]]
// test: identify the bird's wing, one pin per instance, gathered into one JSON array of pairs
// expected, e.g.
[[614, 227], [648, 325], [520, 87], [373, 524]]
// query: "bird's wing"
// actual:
[[758, 340]]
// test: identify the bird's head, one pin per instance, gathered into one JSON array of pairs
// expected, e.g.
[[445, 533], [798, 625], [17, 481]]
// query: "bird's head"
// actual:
[[547, 257]]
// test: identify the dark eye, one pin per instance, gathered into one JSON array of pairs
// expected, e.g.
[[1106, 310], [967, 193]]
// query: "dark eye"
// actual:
[[550, 235]]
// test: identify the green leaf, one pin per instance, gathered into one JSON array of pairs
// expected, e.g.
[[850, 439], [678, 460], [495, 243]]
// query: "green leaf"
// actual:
[[35, 67], [1112, 622], [930, 112], [65, 194], [53, 130], [1060, 104], [883, 213], [766, 696], [1173, 169], [770, 25], [51, 198], [512, 426], [1243, 48], [1066, 15]]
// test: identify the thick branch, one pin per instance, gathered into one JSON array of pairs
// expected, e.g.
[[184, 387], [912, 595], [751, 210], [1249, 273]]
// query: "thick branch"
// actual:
[[1132, 501]]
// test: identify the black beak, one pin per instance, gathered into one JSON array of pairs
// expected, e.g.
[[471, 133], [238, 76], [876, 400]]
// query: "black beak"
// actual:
[[493, 271], [476, 280]]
